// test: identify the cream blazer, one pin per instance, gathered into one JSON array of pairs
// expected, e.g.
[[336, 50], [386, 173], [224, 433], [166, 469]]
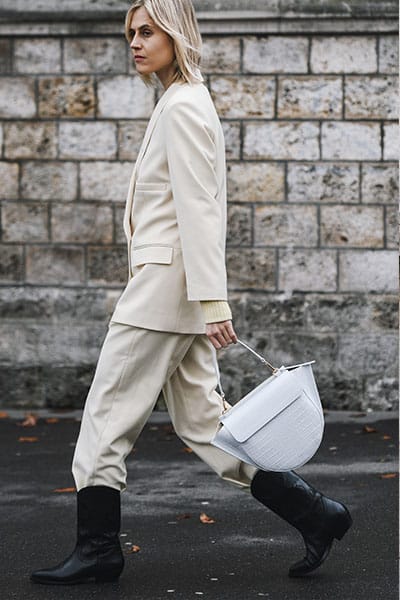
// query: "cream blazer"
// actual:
[[175, 216]]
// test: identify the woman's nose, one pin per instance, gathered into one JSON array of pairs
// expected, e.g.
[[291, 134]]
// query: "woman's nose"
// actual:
[[134, 43]]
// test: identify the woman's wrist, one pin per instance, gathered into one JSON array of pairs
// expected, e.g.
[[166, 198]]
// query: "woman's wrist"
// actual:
[[215, 311]]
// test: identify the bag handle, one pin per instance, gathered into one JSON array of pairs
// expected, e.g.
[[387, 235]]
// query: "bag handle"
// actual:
[[261, 358]]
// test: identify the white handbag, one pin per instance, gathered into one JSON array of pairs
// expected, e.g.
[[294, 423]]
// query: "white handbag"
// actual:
[[277, 426]]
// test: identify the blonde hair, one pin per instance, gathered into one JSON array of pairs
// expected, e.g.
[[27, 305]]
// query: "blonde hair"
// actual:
[[177, 18]]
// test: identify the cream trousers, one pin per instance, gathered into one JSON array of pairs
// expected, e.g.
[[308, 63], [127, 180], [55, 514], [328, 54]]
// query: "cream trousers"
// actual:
[[134, 366]]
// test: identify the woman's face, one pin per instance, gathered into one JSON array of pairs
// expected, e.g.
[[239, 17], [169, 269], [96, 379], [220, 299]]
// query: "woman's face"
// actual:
[[152, 48]]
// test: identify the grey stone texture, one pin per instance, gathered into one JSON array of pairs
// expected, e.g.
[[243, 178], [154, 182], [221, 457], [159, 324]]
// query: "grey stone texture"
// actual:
[[40, 55], [307, 97]]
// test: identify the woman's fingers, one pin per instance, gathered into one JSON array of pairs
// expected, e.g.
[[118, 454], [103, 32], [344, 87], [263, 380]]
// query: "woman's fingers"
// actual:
[[221, 334]]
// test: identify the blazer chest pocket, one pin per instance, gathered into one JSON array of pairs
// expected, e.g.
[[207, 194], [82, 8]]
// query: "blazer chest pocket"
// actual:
[[152, 254]]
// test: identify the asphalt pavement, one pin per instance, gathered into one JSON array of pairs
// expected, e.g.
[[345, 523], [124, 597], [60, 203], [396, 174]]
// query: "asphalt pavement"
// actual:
[[244, 554]]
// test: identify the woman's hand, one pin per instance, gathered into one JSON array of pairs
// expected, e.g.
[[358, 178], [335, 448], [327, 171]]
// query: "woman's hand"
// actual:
[[221, 334]]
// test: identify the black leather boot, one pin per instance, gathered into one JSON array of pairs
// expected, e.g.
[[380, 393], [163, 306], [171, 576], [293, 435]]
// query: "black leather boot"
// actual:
[[97, 553], [319, 519]]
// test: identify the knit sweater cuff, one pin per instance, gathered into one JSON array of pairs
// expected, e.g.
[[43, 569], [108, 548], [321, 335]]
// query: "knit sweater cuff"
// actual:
[[216, 310]]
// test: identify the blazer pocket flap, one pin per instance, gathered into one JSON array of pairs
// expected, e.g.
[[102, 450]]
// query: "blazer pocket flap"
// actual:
[[152, 254], [148, 186]]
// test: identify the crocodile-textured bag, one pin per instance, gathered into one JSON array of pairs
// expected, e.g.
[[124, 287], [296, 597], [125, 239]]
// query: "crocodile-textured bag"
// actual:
[[279, 425]]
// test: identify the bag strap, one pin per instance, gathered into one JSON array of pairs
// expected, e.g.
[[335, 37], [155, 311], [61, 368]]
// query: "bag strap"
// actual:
[[261, 358]]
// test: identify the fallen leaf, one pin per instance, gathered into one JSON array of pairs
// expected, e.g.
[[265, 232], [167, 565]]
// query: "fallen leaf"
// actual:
[[52, 420], [206, 519], [386, 437], [3, 414], [187, 450], [184, 516], [168, 429], [28, 439], [369, 429], [30, 420], [388, 476], [65, 490], [133, 549]]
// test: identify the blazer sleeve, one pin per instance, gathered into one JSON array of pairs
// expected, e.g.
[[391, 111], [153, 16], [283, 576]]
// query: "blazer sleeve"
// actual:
[[191, 154]]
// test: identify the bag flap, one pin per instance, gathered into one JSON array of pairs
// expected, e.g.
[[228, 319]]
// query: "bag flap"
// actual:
[[152, 254], [261, 405]]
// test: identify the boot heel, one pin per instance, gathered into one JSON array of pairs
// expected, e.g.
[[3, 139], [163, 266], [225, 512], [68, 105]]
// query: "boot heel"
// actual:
[[343, 527], [107, 577]]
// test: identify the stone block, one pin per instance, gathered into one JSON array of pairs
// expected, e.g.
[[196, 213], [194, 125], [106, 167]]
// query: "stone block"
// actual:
[[343, 54], [388, 54], [82, 140], [339, 391], [37, 55], [238, 97], [50, 180], [130, 137], [30, 140], [368, 353], [60, 304], [105, 180], [62, 265], [66, 97], [350, 312], [107, 265], [51, 343], [11, 263], [9, 180], [5, 56], [255, 182], [231, 131], [124, 97], [381, 393], [239, 229], [250, 268], [82, 223], [17, 98], [24, 222], [371, 97], [281, 141], [392, 227], [275, 54], [220, 55], [380, 183], [119, 233], [22, 387], [385, 314], [307, 270], [352, 226], [336, 313], [67, 387], [351, 141], [274, 312], [285, 225], [368, 271], [310, 97], [323, 182], [301, 346], [94, 55], [390, 141]]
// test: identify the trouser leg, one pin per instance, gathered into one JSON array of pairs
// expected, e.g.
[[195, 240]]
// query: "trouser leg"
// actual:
[[133, 365], [195, 406]]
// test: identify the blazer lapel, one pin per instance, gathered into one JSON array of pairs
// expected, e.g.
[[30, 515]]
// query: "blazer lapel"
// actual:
[[147, 137]]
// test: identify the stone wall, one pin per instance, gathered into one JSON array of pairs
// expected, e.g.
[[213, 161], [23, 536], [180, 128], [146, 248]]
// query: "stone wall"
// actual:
[[307, 94]]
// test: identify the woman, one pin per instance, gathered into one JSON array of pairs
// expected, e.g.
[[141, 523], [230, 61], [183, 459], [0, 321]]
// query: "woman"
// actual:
[[173, 313]]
